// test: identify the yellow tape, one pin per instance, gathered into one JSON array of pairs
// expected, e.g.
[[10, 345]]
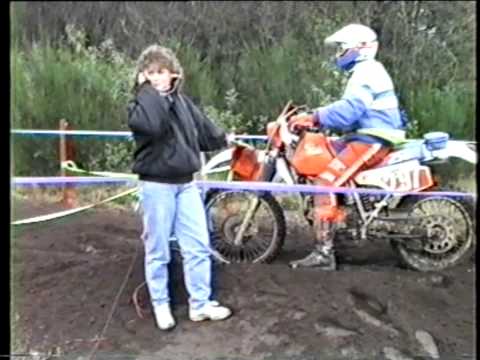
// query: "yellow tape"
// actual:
[[69, 165], [72, 167], [71, 211]]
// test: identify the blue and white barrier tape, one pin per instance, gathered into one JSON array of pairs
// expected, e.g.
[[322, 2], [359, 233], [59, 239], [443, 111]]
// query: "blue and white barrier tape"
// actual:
[[128, 134], [224, 185], [71, 181], [117, 134], [77, 133]]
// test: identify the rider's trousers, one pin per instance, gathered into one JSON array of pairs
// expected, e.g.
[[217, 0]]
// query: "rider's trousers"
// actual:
[[351, 158]]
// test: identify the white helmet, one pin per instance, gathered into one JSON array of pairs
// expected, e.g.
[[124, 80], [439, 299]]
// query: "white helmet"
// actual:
[[355, 43]]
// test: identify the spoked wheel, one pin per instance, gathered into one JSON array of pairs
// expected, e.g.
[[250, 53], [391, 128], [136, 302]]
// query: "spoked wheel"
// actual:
[[262, 236], [450, 235]]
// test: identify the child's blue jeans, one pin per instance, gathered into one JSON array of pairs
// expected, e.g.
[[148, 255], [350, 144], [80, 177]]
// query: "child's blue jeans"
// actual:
[[175, 209]]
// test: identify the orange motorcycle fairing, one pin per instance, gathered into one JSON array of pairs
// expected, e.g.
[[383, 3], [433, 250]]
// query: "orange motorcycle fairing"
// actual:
[[312, 154], [246, 165]]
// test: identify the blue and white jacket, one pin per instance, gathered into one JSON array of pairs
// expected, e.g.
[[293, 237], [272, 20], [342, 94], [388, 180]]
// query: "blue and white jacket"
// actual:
[[368, 106]]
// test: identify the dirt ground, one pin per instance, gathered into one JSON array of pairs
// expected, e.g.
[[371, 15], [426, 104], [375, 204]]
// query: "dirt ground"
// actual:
[[66, 275]]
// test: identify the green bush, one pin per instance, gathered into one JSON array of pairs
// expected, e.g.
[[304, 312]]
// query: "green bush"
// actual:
[[269, 77], [87, 87], [450, 109]]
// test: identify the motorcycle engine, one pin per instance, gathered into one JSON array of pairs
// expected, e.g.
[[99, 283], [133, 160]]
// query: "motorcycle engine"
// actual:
[[369, 200]]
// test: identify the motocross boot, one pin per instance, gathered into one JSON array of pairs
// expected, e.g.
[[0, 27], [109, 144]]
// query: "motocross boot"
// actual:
[[323, 255]]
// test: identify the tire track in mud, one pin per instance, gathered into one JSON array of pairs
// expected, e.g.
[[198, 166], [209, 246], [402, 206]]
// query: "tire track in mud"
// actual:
[[59, 264], [372, 312], [93, 253]]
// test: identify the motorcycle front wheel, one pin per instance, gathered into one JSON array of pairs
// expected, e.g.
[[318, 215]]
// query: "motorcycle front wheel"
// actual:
[[263, 234]]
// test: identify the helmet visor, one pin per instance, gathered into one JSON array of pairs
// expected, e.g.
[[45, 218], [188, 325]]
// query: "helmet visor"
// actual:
[[340, 50]]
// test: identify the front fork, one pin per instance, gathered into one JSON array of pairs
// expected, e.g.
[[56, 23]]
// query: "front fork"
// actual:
[[252, 209], [268, 172]]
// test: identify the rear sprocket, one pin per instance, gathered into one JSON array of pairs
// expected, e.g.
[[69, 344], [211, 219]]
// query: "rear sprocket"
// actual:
[[450, 234]]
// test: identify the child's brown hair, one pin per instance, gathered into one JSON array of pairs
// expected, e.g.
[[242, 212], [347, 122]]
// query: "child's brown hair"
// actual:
[[161, 56]]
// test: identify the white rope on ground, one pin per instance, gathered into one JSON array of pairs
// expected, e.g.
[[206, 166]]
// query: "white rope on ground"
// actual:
[[114, 305]]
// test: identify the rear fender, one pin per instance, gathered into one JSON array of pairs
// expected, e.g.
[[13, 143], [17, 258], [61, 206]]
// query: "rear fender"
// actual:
[[459, 149]]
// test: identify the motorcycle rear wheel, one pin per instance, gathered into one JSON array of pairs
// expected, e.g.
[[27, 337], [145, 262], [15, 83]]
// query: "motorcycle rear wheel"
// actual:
[[263, 238], [452, 240]]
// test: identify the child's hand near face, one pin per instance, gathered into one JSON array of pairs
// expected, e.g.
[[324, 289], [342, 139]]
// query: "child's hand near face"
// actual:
[[161, 79], [141, 78]]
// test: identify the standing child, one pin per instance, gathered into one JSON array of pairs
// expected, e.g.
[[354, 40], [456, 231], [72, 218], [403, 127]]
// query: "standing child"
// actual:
[[170, 132]]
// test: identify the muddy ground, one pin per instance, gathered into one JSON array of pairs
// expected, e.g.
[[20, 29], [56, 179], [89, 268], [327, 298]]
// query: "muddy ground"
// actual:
[[66, 274]]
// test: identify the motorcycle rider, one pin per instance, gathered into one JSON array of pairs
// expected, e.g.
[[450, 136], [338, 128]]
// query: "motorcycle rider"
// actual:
[[368, 111]]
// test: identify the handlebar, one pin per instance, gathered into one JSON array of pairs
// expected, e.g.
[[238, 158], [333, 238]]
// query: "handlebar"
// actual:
[[240, 143]]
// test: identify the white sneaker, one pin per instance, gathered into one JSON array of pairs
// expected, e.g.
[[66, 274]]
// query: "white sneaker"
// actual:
[[212, 311], [164, 317]]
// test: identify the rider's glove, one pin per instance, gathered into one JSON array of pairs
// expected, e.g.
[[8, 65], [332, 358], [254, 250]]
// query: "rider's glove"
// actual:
[[302, 121]]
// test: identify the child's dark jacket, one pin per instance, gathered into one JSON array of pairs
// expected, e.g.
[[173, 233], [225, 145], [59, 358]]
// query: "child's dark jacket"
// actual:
[[169, 132]]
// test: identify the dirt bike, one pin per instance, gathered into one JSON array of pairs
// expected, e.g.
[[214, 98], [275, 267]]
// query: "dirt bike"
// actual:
[[428, 232]]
